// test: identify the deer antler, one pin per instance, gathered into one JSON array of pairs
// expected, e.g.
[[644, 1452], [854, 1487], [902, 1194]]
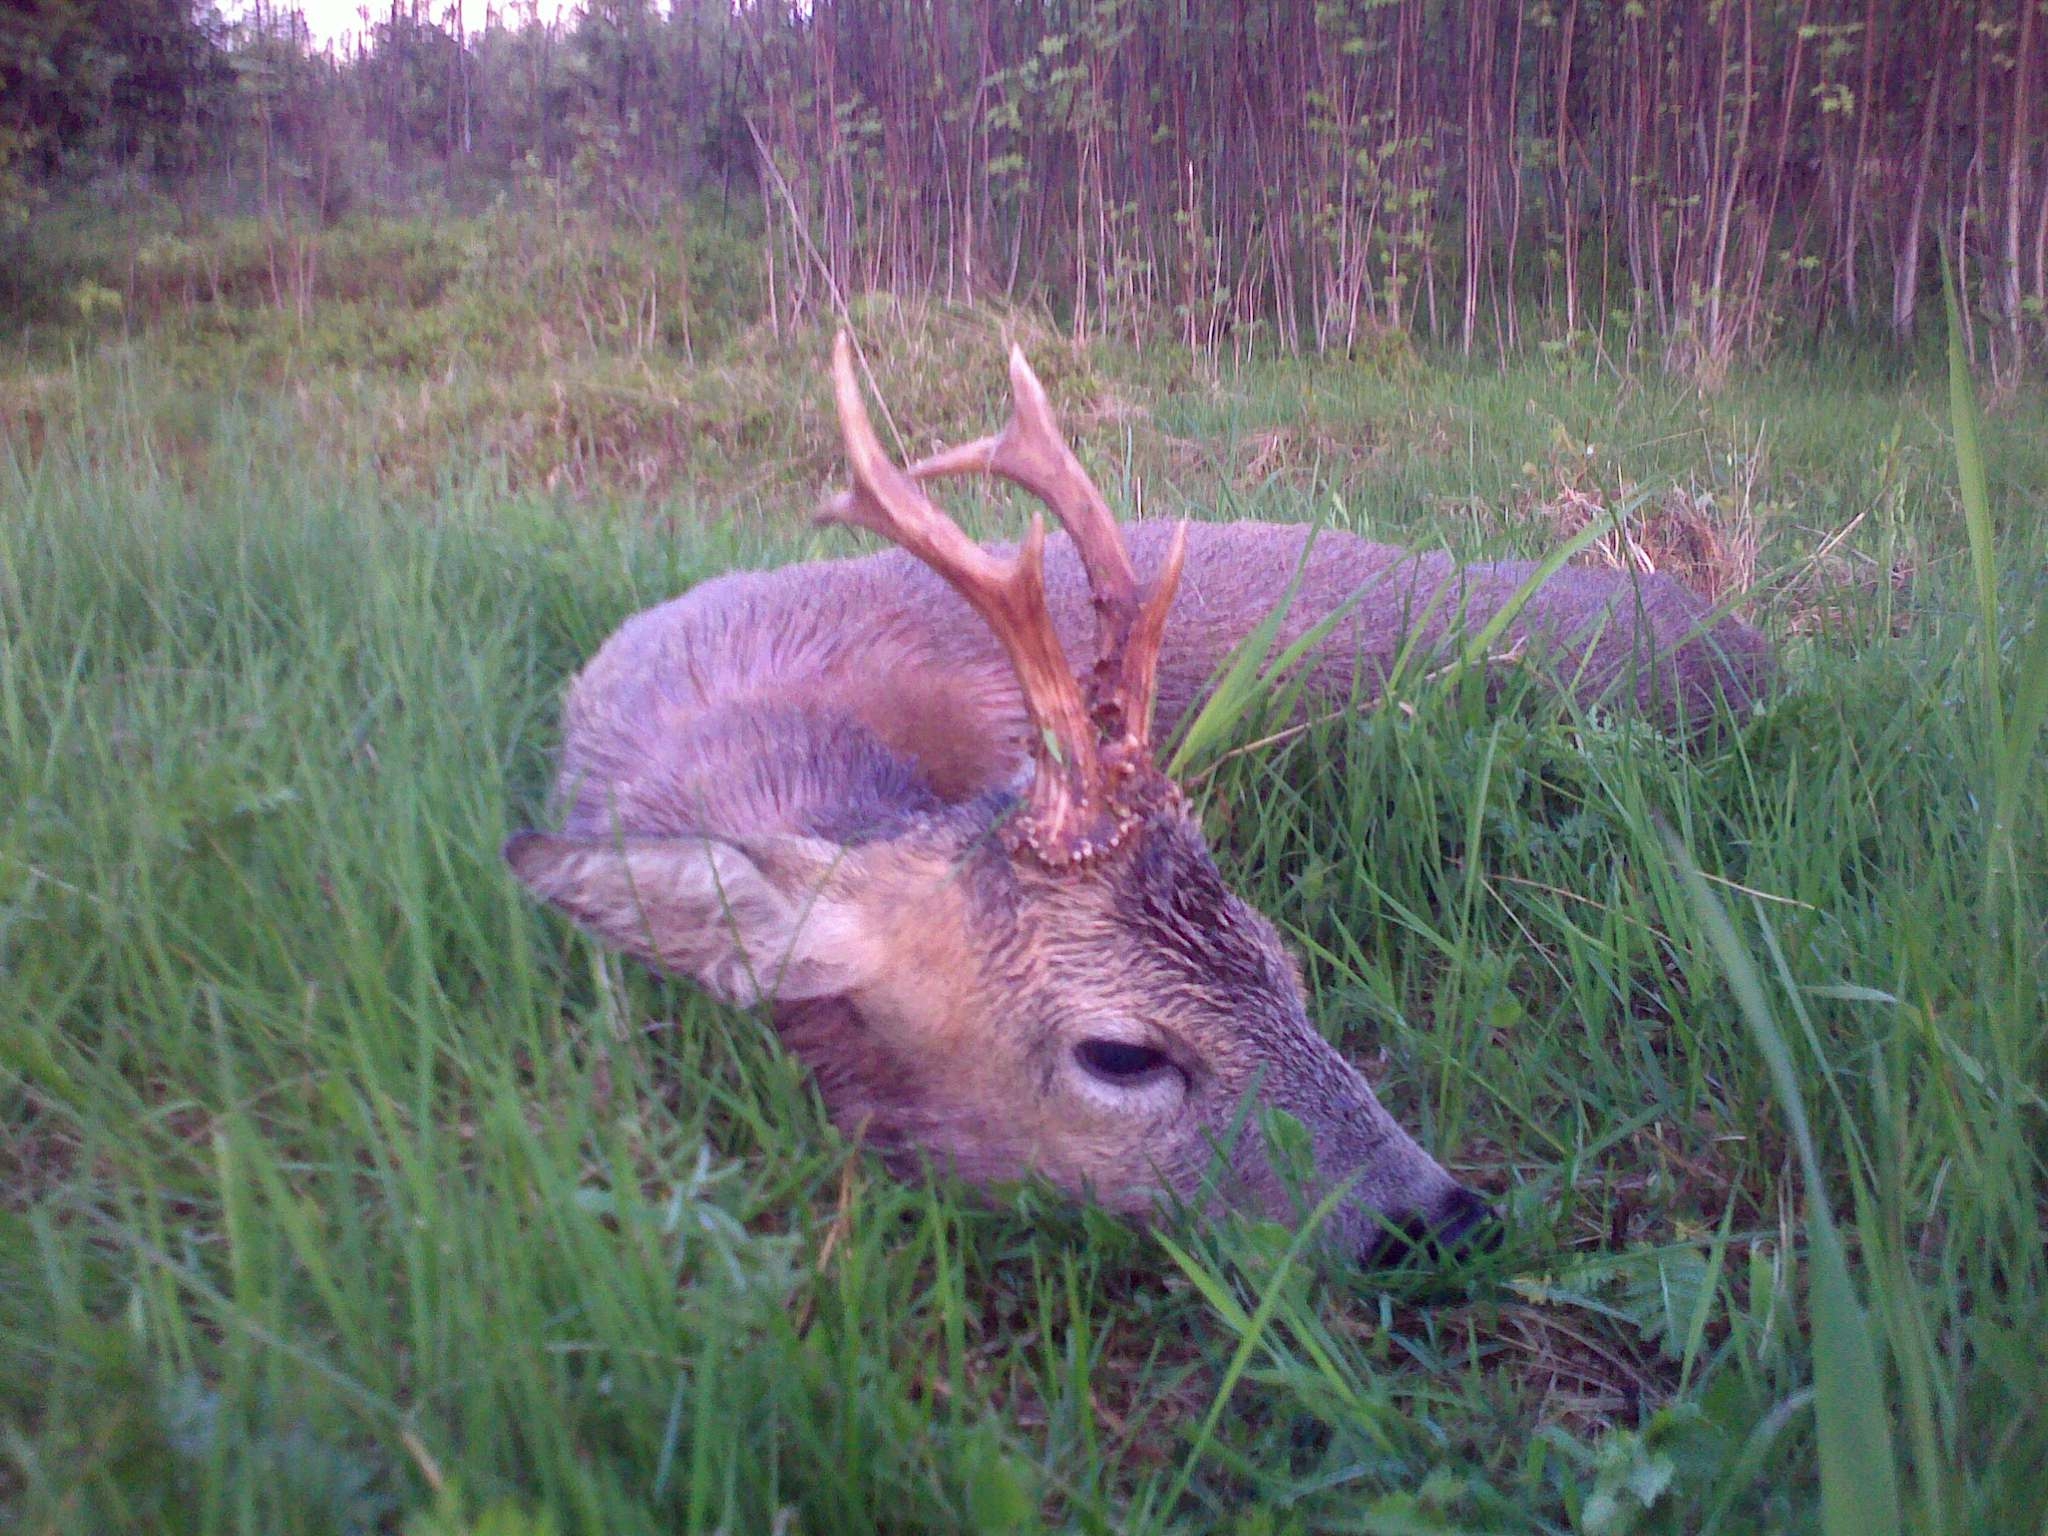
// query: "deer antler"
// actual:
[[1030, 452], [1094, 774]]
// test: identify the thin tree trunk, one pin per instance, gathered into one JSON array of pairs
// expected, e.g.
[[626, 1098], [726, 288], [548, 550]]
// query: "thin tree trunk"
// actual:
[[2016, 164], [1906, 264], [1863, 115]]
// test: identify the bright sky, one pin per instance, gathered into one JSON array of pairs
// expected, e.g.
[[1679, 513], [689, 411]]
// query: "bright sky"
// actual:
[[330, 19]]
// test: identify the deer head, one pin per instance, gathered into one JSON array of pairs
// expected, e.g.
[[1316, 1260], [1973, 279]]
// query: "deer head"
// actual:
[[1050, 977]]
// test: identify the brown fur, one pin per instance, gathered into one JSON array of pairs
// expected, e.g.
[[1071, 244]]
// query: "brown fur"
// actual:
[[787, 783], [882, 642]]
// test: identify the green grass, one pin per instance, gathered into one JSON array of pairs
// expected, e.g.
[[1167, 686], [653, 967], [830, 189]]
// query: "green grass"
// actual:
[[344, 1191]]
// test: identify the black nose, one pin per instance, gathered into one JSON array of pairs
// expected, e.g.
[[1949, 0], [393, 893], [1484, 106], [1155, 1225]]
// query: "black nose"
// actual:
[[1461, 1224]]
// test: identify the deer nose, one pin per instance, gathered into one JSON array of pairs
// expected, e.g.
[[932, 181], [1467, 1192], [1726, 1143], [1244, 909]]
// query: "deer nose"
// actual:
[[1457, 1226]]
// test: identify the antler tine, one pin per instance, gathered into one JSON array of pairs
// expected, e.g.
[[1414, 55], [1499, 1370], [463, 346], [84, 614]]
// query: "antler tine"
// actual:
[[1139, 683], [1031, 453], [1009, 595]]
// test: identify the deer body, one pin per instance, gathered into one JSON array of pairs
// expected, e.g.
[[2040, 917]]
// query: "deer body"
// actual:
[[875, 795], [815, 697]]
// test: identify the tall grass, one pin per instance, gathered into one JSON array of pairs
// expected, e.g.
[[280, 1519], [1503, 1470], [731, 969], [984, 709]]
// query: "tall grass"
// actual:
[[345, 1192]]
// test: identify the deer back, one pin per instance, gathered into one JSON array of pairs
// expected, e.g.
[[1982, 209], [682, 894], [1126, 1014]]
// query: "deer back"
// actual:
[[840, 696]]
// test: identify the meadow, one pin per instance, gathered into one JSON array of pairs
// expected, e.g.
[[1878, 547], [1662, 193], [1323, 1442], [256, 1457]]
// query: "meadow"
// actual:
[[342, 1190]]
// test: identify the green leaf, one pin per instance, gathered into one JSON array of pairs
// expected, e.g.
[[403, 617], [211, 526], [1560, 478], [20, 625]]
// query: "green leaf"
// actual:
[[999, 1497], [1859, 1479], [1859, 1482]]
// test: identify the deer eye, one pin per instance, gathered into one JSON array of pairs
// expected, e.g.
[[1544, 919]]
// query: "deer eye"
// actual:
[[1120, 1061]]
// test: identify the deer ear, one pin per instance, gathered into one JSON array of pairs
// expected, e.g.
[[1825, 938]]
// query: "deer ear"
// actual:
[[770, 917]]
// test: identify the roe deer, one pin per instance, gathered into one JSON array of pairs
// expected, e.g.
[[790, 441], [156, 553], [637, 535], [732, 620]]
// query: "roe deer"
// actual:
[[873, 794]]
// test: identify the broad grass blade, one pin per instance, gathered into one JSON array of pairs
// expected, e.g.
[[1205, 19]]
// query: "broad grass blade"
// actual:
[[1859, 1479]]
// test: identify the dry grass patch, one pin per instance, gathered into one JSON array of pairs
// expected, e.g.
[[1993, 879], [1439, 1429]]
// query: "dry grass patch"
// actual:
[[1706, 540], [1842, 589]]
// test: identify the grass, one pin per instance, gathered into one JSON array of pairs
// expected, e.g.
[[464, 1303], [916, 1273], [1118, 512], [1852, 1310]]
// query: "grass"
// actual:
[[344, 1191]]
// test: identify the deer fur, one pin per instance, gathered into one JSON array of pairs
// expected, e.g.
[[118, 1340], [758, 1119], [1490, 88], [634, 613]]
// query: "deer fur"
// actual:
[[786, 785]]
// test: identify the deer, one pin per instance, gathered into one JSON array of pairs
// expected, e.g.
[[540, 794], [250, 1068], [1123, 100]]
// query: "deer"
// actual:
[[875, 797]]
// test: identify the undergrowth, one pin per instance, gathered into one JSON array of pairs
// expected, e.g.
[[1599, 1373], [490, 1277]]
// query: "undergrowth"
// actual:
[[343, 1191]]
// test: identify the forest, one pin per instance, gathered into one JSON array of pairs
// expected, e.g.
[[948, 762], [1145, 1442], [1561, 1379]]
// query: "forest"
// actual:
[[363, 368], [1684, 183]]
